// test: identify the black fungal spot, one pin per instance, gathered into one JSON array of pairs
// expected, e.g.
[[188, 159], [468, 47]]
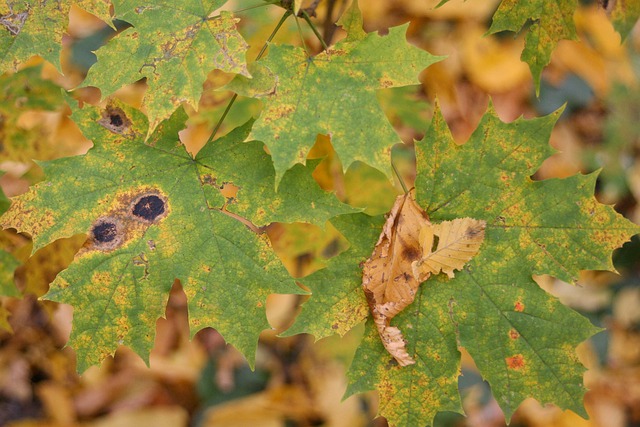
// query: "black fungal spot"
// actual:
[[105, 232], [148, 207], [115, 120]]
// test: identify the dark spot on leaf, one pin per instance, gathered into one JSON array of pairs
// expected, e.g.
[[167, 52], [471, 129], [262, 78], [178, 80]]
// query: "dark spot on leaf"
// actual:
[[106, 233], [115, 120], [149, 207], [410, 253]]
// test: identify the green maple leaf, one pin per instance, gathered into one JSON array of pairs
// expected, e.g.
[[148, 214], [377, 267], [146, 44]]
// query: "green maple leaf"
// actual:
[[551, 21], [36, 27], [153, 213], [174, 47], [522, 339], [332, 93]]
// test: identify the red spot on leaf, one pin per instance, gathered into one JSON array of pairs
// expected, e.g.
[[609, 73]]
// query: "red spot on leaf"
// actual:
[[518, 306], [513, 334], [515, 362]]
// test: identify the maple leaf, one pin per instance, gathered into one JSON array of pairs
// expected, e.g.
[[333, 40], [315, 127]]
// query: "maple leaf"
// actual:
[[153, 213], [551, 21], [36, 27], [522, 339], [174, 47], [332, 93]]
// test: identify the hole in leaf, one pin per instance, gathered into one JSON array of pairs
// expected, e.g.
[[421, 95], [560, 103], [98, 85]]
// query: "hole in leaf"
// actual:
[[436, 241], [149, 207]]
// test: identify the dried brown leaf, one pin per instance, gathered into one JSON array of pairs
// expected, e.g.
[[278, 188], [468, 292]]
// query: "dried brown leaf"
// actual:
[[388, 282], [406, 254], [458, 241]]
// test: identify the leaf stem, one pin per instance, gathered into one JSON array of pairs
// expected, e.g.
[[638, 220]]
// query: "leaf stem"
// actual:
[[304, 45], [235, 95], [404, 187], [306, 17]]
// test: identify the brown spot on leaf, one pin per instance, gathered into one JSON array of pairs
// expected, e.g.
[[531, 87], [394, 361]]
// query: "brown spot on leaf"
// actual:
[[515, 362], [411, 253], [518, 306], [513, 334]]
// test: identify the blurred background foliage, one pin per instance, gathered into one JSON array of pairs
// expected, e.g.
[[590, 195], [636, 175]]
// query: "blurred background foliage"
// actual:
[[298, 382]]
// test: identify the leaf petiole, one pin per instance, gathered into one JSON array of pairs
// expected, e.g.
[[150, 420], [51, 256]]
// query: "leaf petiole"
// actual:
[[404, 187], [306, 17]]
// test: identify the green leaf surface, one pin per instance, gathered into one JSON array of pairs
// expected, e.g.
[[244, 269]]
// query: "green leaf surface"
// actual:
[[175, 56], [36, 27], [623, 15], [8, 264], [550, 22], [30, 28], [337, 303], [414, 394], [332, 93], [555, 226], [154, 213], [4, 201]]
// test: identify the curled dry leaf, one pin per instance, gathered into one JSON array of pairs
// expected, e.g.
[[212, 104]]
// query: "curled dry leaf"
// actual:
[[409, 250]]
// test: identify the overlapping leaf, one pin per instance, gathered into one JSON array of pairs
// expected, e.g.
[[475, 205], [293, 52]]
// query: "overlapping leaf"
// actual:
[[332, 93], [35, 27], [174, 45], [154, 214]]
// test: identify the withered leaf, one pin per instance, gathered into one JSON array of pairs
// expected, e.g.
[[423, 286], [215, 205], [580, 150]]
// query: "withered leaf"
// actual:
[[406, 254], [388, 280], [458, 241]]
